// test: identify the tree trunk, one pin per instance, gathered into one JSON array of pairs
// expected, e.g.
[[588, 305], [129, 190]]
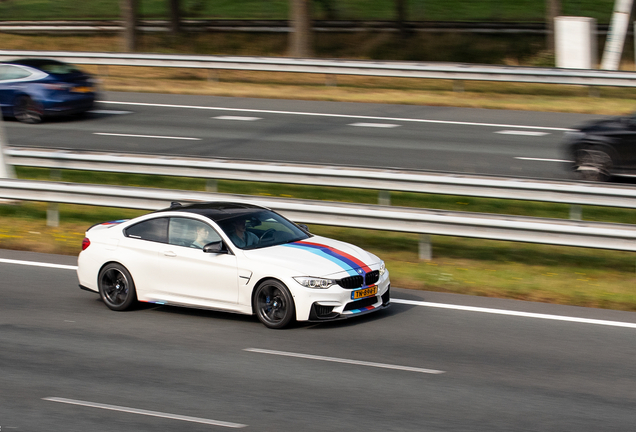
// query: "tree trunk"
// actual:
[[400, 16], [300, 37], [175, 17], [129, 16], [553, 10]]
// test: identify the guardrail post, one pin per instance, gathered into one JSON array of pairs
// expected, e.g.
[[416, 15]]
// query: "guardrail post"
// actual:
[[6, 170], [425, 248], [576, 212], [384, 198], [331, 80], [213, 75], [53, 209], [53, 215], [458, 86], [211, 185]]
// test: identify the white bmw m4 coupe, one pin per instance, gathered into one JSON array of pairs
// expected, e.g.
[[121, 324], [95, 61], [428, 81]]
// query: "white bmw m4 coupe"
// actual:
[[231, 256]]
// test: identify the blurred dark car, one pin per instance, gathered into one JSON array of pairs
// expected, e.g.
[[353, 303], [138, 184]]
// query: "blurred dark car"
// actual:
[[34, 88], [602, 149]]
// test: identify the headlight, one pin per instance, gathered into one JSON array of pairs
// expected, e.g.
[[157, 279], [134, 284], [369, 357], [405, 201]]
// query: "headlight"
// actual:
[[311, 282], [382, 268]]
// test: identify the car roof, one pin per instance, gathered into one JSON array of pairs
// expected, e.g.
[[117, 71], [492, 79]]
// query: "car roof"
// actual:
[[217, 210], [50, 66], [35, 62]]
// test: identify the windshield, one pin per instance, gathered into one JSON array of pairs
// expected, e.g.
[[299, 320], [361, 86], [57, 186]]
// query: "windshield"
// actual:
[[260, 229]]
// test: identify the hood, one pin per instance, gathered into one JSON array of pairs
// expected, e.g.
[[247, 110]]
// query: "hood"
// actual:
[[607, 125], [318, 257]]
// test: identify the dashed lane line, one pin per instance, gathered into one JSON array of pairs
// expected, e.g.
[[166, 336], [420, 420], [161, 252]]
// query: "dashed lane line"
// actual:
[[146, 412], [146, 136], [341, 360], [523, 133]]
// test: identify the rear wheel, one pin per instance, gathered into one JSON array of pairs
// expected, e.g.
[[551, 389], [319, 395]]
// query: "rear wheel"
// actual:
[[593, 165], [116, 287], [274, 304], [26, 110]]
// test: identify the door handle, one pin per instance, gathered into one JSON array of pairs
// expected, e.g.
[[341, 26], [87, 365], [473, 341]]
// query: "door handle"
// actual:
[[169, 254]]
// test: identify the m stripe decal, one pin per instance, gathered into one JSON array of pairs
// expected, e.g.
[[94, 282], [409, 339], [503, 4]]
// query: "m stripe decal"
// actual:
[[344, 260]]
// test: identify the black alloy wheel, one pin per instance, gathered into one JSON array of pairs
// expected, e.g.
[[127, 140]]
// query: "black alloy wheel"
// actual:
[[116, 287], [26, 110], [593, 165], [274, 304]]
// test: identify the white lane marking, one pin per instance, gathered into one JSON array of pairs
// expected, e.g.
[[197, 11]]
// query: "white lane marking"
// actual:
[[542, 159], [402, 301], [523, 133], [146, 412], [298, 113], [110, 112], [347, 361], [516, 313], [238, 118], [146, 136], [374, 125], [37, 264]]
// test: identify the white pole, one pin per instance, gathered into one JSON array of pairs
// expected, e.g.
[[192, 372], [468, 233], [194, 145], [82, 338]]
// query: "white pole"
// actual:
[[6, 170], [616, 35]]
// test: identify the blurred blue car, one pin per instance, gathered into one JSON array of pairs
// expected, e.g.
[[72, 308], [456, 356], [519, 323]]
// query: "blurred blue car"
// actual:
[[34, 88]]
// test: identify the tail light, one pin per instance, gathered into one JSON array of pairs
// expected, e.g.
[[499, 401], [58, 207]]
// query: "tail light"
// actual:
[[85, 243]]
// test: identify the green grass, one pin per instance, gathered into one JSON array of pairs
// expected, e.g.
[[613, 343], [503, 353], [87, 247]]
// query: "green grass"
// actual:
[[565, 275], [417, 10]]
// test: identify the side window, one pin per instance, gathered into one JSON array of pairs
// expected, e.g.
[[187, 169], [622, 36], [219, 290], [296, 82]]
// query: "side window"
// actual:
[[9, 72], [153, 230], [191, 233]]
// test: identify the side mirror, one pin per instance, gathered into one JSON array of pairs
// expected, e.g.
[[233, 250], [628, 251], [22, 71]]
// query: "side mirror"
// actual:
[[215, 247], [304, 227]]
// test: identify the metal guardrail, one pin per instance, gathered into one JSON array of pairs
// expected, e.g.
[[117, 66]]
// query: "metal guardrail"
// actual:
[[450, 71], [509, 228], [279, 26], [375, 179]]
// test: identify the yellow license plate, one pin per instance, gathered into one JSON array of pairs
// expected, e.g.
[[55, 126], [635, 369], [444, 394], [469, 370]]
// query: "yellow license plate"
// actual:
[[366, 292], [82, 89]]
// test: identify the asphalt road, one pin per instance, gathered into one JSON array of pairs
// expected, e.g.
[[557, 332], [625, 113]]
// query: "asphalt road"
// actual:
[[508, 143], [67, 363]]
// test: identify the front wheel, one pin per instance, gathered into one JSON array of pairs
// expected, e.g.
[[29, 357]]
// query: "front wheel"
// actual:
[[593, 165], [274, 304], [116, 287]]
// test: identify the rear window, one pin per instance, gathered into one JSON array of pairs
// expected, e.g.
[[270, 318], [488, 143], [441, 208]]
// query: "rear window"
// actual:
[[153, 230], [50, 66], [10, 72]]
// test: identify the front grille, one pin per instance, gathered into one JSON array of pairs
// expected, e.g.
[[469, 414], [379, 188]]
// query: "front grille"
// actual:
[[372, 277], [351, 282], [361, 303]]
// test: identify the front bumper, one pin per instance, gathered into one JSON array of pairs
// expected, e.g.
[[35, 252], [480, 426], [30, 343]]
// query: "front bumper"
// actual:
[[324, 312]]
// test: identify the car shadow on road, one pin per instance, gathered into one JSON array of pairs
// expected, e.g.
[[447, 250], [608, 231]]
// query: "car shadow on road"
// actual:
[[326, 325]]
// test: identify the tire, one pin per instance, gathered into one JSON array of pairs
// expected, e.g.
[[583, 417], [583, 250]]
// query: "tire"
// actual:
[[116, 287], [26, 110], [274, 304], [593, 165]]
